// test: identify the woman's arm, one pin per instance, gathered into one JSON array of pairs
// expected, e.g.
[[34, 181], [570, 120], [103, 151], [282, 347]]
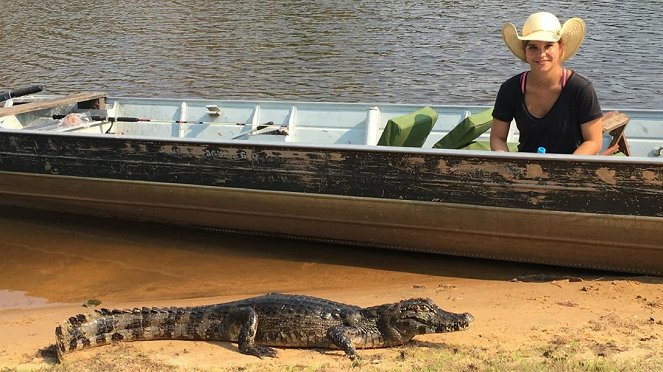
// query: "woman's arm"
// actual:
[[592, 132], [499, 131]]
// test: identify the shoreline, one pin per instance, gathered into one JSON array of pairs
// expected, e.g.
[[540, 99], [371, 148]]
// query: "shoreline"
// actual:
[[552, 318]]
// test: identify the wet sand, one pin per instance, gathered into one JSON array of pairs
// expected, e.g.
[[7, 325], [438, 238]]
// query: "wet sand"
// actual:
[[52, 264]]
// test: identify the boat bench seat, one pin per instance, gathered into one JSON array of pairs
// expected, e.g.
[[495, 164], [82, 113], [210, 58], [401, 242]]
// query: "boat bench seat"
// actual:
[[614, 124], [409, 130], [87, 100], [465, 132]]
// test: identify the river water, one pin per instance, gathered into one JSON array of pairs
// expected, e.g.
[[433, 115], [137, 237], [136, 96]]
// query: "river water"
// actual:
[[50, 259], [411, 51], [332, 50]]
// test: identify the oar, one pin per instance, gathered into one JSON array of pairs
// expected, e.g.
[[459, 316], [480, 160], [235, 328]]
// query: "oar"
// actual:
[[20, 92], [266, 128]]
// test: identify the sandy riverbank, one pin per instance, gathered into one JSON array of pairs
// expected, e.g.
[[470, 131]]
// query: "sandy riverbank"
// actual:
[[567, 317]]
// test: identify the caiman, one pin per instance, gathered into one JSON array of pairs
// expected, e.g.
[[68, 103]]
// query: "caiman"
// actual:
[[257, 323]]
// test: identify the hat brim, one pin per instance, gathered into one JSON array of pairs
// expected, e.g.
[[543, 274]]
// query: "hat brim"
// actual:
[[571, 34], [515, 45]]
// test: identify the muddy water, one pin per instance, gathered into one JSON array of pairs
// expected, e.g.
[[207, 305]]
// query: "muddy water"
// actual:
[[49, 258]]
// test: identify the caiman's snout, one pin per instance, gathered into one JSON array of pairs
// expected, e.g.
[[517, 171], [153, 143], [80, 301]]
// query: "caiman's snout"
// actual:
[[456, 323], [422, 315]]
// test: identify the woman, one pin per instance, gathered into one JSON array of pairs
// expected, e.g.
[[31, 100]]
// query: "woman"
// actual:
[[554, 108]]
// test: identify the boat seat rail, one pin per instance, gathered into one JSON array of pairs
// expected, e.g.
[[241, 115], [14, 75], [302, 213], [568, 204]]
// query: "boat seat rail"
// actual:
[[83, 100], [614, 125]]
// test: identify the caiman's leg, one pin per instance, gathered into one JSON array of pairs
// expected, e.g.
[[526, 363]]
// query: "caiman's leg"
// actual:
[[247, 334], [341, 337]]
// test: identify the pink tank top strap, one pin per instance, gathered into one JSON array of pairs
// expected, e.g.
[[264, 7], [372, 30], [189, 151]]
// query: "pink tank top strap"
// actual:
[[564, 76], [523, 79]]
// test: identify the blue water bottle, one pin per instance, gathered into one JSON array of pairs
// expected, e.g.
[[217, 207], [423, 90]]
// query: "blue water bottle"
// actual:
[[541, 150]]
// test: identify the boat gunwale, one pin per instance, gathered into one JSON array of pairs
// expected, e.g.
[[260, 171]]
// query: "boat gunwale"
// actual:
[[462, 153]]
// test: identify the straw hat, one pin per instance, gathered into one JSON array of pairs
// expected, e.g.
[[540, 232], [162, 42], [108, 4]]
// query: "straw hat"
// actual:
[[544, 26]]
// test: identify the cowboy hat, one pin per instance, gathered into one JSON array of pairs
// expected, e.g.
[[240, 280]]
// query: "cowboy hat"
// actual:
[[544, 26]]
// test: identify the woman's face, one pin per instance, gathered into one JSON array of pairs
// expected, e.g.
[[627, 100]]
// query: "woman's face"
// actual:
[[543, 55]]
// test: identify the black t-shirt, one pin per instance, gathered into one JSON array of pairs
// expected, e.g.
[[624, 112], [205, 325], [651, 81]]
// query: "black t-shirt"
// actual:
[[559, 130]]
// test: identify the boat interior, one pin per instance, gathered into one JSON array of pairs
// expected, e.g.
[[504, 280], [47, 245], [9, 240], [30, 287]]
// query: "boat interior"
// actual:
[[319, 123]]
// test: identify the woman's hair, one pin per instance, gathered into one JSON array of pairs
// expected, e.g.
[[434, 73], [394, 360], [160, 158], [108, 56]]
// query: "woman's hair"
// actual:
[[525, 42]]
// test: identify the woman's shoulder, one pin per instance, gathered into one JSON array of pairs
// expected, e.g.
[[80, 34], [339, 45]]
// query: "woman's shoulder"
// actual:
[[579, 80], [513, 81], [515, 78]]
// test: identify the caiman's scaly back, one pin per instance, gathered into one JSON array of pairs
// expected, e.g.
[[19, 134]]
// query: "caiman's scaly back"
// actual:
[[260, 322]]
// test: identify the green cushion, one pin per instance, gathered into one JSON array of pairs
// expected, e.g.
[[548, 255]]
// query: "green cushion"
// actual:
[[409, 130], [485, 145], [466, 131]]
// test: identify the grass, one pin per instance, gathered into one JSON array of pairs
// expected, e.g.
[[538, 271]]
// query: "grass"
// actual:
[[412, 358], [558, 354]]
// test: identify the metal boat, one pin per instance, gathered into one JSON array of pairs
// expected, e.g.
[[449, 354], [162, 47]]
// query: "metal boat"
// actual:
[[314, 170]]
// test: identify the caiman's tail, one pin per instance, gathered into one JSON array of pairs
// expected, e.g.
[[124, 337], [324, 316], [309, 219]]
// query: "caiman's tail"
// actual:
[[105, 326]]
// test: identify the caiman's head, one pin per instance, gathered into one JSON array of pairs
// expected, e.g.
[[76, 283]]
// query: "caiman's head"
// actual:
[[418, 316]]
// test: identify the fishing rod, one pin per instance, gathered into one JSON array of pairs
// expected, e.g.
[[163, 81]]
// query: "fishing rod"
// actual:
[[129, 119], [20, 92], [264, 128]]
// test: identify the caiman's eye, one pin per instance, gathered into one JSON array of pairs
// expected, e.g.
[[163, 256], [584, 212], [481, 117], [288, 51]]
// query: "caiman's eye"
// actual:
[[419, 308]]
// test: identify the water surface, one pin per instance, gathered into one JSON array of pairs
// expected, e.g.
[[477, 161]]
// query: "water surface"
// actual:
[[325, 50], [71, 259]]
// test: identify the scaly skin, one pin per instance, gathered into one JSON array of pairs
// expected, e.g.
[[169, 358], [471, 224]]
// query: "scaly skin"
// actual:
[[260, 322]]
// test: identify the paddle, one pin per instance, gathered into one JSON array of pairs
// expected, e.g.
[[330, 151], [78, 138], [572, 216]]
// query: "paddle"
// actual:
[[20, 92]]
